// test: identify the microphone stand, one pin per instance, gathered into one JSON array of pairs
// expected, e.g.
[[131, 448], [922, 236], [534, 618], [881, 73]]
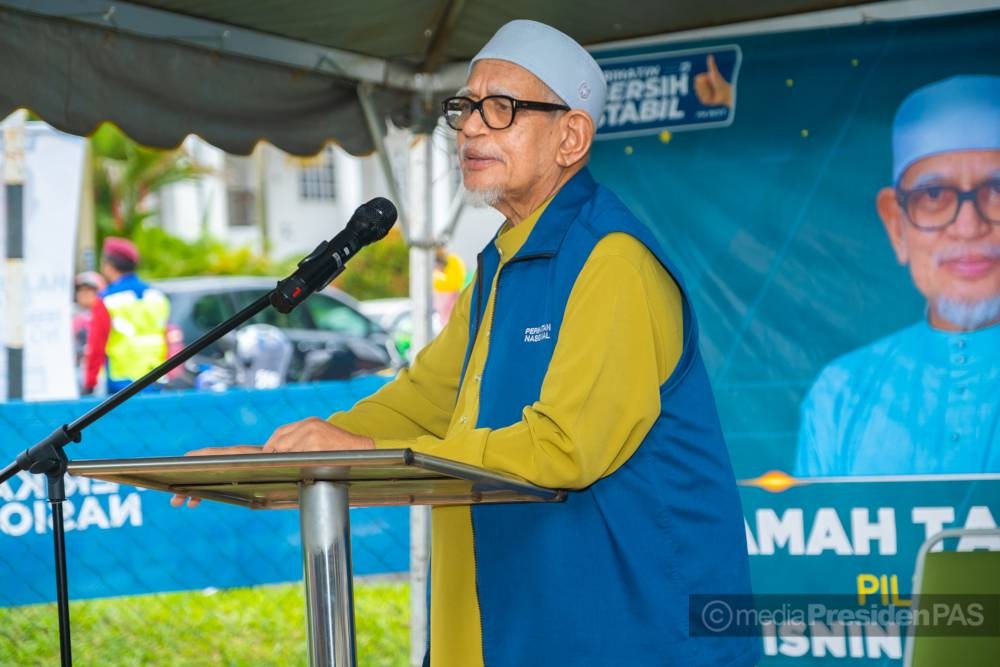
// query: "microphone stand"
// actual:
[[47, 457]]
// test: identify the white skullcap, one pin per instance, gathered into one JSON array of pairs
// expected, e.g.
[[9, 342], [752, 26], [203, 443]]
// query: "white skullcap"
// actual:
[[555, 58], [957, 114]]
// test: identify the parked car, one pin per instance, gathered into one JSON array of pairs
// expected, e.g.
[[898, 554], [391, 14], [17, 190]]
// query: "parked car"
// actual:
[[330, 337], [395, 315]]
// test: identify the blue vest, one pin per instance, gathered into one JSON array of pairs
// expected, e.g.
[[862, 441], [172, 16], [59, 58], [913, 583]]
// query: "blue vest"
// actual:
[[604, 577]]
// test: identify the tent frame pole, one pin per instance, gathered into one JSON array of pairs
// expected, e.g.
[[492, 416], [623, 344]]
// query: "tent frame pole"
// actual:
[[376, 129]]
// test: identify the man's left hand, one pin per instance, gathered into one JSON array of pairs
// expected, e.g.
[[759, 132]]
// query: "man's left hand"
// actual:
[[309, 435], [314, 435]]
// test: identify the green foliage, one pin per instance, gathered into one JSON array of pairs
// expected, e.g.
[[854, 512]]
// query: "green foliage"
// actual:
[[259, 627], [167, 256], [380, 270], [381, 614], [125, 174]]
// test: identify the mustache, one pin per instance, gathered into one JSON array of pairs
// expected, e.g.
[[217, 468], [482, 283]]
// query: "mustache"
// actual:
[[479, 152], [959, 250]]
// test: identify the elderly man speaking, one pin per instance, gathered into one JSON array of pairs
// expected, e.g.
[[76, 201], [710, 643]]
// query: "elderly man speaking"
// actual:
[[571, 361]]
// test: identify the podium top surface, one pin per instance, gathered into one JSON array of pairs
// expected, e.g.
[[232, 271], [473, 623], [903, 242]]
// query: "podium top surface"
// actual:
[[372, 477]]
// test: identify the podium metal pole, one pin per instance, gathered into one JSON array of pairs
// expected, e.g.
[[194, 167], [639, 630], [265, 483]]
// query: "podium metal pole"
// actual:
[[326, 553]]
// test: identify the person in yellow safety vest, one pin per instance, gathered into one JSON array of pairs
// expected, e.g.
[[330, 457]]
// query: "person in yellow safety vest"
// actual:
[[128, 328], [449, 279]]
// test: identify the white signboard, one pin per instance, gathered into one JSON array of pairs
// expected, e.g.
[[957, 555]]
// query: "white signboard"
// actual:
[[53, 170]]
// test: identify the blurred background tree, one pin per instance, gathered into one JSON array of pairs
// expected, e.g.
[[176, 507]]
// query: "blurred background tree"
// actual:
[[381, 270], [167, 256], [126, 180]]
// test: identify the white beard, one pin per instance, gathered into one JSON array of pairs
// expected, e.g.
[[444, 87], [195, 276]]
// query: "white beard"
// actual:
[[969, 315], [482, 198]]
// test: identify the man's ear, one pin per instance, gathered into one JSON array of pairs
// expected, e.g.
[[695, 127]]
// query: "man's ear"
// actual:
[[577, 129], [892, 218]]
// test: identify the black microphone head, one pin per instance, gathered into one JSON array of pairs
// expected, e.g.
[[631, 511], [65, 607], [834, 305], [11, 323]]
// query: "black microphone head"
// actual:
[[373, 220]]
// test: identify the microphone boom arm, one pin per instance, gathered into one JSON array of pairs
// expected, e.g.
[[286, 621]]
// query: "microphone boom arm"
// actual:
[[369, 223]]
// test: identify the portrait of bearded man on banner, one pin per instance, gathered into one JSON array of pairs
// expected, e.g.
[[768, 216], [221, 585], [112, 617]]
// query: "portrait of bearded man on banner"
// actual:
[[923, 400]]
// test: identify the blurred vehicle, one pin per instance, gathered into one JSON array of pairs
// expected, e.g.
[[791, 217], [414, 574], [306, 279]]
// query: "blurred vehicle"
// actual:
[[258, 359], [330, 338], [396, 316], [387, 312]]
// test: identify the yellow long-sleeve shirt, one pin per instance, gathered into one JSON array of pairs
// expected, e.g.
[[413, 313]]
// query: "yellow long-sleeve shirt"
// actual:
[[620, 339]]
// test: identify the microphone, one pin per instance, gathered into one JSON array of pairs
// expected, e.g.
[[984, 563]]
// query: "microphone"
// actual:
[[370, 222]]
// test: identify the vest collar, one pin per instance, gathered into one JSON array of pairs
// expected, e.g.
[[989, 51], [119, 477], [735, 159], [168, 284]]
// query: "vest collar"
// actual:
[[562, 211], [127, 281]]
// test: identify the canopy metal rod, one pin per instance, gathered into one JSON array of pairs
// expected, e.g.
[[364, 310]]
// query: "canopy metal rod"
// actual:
[[376, 127], [434, 52]]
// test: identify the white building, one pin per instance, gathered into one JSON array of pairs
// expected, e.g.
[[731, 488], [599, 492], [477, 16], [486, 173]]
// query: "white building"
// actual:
[[294, 203]]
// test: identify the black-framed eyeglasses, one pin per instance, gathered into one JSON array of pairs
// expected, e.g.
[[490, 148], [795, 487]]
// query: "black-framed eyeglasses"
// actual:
[[931, 207], [497, 111]]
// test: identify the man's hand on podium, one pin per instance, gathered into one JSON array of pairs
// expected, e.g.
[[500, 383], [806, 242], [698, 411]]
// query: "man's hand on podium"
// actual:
[[177, 500], [309, 435], [314, 435]]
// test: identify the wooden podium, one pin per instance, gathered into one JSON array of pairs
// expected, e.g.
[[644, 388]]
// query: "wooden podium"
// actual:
[[323, 486]]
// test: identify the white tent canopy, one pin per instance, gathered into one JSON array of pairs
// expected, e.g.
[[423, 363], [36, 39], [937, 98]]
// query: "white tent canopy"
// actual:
[[289, 73]]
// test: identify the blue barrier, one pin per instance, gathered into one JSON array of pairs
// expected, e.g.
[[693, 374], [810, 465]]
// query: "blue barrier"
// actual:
[[124, 541]]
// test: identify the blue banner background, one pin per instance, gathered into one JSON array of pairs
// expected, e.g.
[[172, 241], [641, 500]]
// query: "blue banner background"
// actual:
[[158, 547], [772, 220], [772, 223], [849, 536]]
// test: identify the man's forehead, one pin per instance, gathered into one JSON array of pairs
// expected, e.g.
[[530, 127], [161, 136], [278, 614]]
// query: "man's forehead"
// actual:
[[947, 166], [500, 77]]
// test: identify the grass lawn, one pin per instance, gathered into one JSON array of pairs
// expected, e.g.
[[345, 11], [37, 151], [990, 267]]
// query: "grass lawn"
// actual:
[[256, 627]]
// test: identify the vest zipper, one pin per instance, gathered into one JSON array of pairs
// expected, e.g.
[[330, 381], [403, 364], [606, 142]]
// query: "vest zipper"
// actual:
[[482, 377], [479, 292], [475, 568], [475, 544]]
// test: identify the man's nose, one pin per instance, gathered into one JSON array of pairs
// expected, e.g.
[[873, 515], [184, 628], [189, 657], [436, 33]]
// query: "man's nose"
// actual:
[[474, 124], [968, 222]]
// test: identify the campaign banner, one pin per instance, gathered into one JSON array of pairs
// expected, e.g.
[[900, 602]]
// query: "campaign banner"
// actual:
[[840, 246], [774, 226], [674, 90], [853, 541]]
